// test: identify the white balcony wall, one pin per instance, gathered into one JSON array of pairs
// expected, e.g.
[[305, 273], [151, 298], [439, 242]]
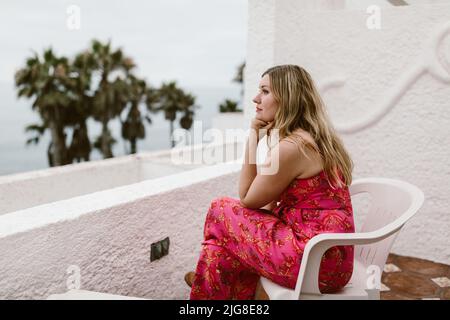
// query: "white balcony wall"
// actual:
[[106, 235], [29, 189], [361, 71]]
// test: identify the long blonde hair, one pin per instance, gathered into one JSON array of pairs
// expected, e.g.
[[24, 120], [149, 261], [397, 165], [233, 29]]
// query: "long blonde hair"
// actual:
[[301, 107]]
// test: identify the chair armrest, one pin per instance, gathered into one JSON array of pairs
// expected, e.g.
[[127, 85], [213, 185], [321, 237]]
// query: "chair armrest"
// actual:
[[308, 276]]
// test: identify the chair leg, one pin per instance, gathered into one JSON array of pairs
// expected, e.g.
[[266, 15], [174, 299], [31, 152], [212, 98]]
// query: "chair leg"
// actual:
[[260, 293]]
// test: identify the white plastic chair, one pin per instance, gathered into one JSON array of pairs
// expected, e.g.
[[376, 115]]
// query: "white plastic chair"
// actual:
[[393, 203]]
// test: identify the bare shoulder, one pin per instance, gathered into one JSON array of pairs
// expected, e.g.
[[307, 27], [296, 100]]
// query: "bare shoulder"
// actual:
[[309, 160], [285, 150], [302, 140], [282, 162], [301, 136]]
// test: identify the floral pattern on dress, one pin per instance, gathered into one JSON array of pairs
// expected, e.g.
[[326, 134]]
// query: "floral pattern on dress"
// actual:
[[240, 244]]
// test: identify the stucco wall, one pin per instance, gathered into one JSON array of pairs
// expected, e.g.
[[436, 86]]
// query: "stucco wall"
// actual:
[[360, 71], [24, 190], [29, 189], [107, 235]]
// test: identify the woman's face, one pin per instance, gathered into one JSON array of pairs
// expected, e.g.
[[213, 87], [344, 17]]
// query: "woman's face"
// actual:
[[266, 106]]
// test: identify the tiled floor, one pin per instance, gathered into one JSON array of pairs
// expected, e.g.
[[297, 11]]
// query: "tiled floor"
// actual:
[[407, 278]]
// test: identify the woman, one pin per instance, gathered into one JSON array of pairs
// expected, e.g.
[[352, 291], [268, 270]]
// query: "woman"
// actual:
[[304, 193]]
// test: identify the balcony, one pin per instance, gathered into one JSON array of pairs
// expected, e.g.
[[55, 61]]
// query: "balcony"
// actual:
[[96, 236], [91, 225]]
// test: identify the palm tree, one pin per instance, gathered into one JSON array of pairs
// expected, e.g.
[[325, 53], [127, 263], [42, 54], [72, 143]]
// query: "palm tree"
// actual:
[[45, 80], [81, 75], [170, 99], [97, 83], [239, 77], [133, 126], [188, 107], [229, 106], [110, 98]]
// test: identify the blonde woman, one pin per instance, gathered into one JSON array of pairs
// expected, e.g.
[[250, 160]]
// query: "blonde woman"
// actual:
[[265, 232]]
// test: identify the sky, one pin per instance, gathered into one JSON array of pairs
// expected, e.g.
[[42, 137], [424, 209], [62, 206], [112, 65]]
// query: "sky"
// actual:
[[196, 42]]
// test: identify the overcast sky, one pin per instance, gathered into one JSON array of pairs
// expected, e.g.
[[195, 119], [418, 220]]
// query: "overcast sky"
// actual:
[[196, 42]]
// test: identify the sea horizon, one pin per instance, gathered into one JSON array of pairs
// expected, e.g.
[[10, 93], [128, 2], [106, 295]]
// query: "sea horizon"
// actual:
[[201, 51], [16, 114]]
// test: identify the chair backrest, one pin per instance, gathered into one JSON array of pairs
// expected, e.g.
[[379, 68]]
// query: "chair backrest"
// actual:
[[393, 203]]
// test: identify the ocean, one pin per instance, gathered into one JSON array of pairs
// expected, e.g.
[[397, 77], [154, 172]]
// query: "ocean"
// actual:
[[16, 114], [197, 43]]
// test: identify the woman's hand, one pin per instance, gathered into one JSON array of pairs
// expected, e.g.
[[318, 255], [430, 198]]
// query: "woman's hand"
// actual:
[[260, 127]]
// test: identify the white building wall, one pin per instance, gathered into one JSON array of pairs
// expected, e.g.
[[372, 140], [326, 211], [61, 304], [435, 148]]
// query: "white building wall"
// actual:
[[35, 188], [106, 236], [361, 71]]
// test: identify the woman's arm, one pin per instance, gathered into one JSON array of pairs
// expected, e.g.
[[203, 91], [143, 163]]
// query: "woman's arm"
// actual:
[[267, 187], [258, 129], [248, 171]]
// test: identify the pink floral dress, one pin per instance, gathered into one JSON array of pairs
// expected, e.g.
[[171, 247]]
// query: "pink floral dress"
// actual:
[[242, 244]]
